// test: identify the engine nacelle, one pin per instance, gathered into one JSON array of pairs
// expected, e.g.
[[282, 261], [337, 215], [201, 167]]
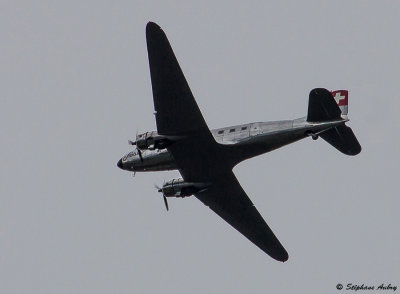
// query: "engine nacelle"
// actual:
[[151, 140], [180, 188]]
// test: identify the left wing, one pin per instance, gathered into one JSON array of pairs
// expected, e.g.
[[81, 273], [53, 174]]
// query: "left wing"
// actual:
[[177, 112], [227, 199]]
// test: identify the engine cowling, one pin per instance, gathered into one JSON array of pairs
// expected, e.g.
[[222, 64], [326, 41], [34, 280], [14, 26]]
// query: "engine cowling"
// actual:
[[151, 141], [180, 188]]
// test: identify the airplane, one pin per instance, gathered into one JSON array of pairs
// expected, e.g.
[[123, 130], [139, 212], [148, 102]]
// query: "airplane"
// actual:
[[205, 158]]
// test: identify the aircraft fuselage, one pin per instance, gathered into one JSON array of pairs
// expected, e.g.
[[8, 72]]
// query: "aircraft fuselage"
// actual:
[[243, 142]]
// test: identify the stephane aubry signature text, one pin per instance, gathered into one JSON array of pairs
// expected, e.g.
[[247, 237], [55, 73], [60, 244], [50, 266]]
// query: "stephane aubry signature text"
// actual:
[[364, 287]]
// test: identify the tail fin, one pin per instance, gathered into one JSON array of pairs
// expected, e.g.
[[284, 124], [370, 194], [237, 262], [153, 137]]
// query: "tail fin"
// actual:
[[324, 106]]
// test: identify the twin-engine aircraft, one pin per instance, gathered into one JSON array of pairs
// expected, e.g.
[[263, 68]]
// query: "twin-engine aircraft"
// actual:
[[205, 158]]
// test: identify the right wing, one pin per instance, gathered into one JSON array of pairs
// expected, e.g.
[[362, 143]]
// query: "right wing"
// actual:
[[228, 199]]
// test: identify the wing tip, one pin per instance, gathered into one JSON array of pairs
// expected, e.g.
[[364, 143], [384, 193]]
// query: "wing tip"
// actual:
[[284, 256], [152, 27], [278, 253], [275, 251], [154, 33]]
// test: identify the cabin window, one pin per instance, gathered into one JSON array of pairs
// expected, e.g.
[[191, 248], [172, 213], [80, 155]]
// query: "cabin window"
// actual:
[[244, 128], [231, 130], [220, 132]]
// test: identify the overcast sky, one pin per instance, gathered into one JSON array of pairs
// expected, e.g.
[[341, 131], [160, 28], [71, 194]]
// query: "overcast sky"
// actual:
[[75, 86]]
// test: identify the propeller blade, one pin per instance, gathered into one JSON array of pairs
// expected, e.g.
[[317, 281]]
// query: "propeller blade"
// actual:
[[166, 202], [140, 154], [134, 142], [165, 198]]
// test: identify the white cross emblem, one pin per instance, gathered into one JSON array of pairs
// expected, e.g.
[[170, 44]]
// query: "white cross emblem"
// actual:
[[338, 97]]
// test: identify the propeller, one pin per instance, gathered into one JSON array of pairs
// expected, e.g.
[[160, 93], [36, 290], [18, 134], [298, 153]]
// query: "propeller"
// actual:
[[165, 198], [140, 154], [134, 143]]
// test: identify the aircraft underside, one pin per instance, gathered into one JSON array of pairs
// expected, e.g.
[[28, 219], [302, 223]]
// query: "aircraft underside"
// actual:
[[205, 158]]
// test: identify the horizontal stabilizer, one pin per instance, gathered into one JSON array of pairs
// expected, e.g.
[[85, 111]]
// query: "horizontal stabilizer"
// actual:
[[343, 139]]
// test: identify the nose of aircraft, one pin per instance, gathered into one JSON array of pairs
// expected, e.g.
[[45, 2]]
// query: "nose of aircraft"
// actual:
[[119, 164]]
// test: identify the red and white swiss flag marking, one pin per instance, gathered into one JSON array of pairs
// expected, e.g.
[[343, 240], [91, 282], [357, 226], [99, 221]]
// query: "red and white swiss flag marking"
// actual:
[[341, 97]]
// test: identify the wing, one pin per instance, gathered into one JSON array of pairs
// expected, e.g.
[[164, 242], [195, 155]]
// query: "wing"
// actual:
[[177, 112], [227, 198], [198, 157]]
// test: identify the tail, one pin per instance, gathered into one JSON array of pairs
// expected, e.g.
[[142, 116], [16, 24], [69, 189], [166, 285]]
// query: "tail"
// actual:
[[329, 106]]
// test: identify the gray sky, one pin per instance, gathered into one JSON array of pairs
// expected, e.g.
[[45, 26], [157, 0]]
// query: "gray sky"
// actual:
[[75, 86]]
